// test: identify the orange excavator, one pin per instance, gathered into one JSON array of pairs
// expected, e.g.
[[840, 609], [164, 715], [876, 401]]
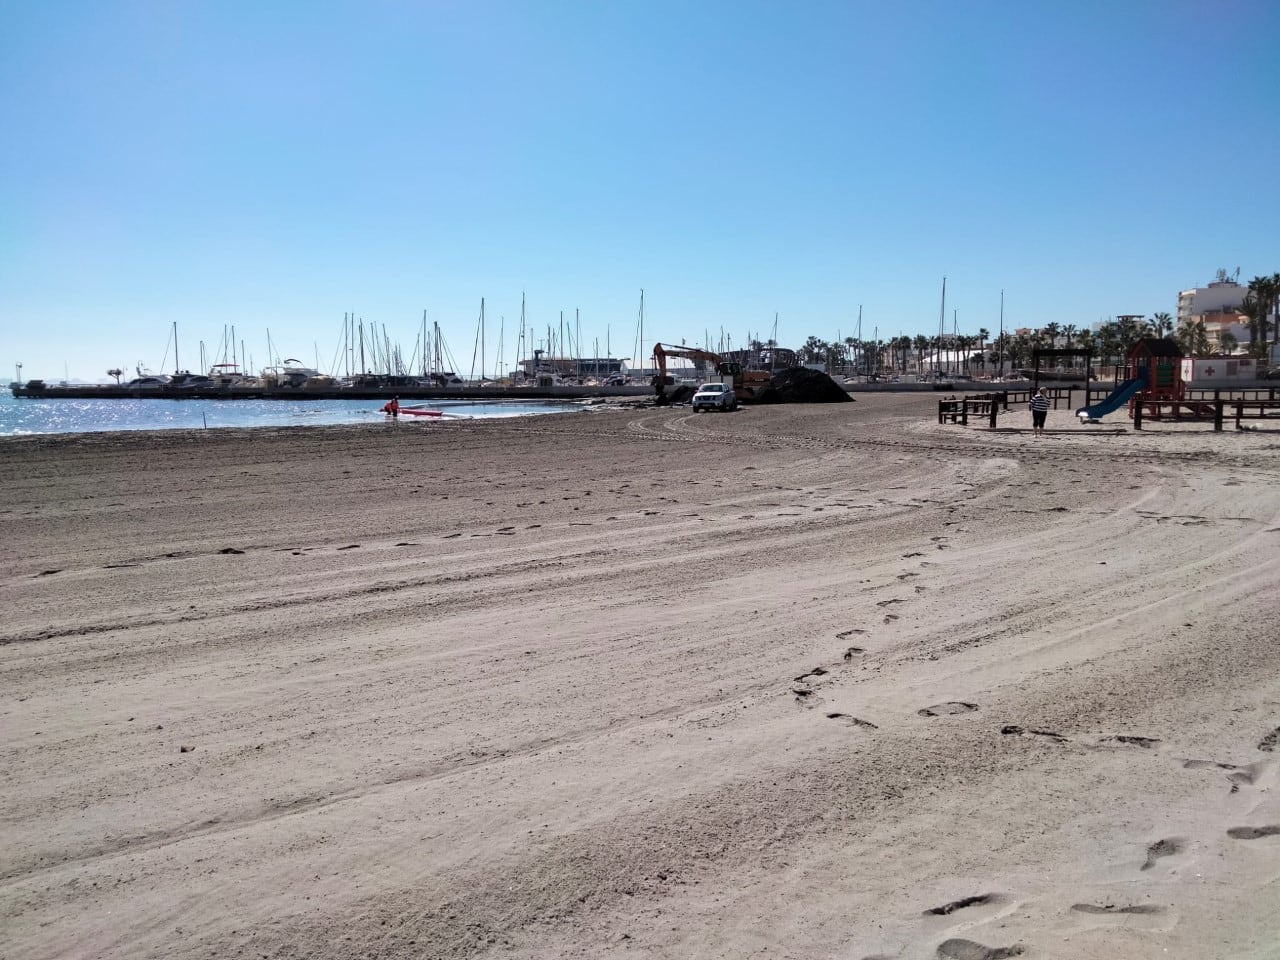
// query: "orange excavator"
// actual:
[[748, 385]]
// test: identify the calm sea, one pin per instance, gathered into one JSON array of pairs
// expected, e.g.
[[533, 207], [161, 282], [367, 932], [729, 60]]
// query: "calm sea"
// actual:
[[24, 417]]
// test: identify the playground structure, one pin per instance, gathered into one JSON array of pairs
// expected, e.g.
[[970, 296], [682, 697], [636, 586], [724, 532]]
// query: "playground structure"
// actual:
[[1152, 389], [1217, 406], [1152, 376]]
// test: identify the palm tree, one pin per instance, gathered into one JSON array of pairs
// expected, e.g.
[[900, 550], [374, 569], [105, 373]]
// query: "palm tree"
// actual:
[[1163, 324], [983, 336], [1260, 304], [1227, 342], [1275, 307], [921, 344], [1000, 349], [1257, 307], [1051, 330], [814, 351]]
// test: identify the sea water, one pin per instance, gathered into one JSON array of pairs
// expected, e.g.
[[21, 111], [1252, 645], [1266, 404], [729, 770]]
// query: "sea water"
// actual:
[[21, 417]]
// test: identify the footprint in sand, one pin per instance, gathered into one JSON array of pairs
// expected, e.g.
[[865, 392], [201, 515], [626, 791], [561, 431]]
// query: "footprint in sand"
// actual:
[[1016, 730], [1112, 908], [852, 721], [852, 652], [1238, 777], [815, 672], [1162, 848], [1268, 743], [949, 908], [1202, 764], [885, 603], [1146, 743], [1253, 833], [845, 634], [949, 709], [959, 949]]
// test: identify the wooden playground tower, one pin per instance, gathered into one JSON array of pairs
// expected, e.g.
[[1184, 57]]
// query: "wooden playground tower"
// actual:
[[1161, 358]]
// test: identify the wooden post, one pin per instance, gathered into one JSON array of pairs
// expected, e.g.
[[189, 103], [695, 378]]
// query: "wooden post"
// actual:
[[1217, 413], [1137, 413], [995, 409], [964, 412]]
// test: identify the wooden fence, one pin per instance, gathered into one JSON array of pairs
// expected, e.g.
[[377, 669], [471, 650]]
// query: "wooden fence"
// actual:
[[1196, 406]]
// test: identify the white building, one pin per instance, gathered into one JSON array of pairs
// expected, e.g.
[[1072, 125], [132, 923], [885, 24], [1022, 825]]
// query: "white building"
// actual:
[[1218, 297], [1220, 322]]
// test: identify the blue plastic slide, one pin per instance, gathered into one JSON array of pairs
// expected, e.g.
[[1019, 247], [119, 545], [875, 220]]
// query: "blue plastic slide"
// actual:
[[1116, 398]]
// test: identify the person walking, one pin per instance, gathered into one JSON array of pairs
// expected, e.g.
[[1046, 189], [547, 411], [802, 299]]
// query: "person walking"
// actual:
[[1039, 411]]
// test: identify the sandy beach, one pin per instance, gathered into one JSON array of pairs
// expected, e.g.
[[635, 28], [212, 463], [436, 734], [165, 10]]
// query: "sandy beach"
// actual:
[[794, 682]]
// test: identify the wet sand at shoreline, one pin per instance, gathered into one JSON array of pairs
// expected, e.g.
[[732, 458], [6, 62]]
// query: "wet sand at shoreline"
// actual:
[[799, 681]]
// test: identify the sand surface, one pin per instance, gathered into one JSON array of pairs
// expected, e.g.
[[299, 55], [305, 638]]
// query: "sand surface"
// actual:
[[794, 682]]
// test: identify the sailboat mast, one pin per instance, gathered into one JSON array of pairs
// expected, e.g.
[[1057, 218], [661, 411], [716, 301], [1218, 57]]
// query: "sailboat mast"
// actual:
[[942, 323], [522, 346], [955, 335], [1000, 351], [862, 351], [643, 348]]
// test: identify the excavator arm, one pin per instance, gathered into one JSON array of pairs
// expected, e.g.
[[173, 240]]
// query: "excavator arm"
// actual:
[[663, 350], [749, 385]]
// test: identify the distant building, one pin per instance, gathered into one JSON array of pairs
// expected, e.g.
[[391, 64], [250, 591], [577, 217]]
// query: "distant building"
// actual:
[[1217, 306], [1219, 296], [1220, 322], [576, 367]]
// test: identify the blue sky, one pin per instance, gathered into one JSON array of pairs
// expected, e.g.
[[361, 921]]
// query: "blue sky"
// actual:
[[276, 165]]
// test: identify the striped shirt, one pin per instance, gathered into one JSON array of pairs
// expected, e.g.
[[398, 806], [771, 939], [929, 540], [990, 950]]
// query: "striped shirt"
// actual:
[[1040, 403]]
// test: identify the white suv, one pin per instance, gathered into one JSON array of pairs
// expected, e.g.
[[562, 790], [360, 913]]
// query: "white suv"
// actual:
[[714, 396]]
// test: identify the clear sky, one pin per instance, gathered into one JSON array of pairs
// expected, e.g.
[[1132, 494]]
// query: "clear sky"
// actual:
[[276, 165]]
